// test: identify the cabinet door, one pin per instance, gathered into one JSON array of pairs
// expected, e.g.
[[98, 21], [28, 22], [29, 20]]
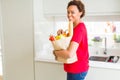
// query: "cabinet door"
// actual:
[[102, 7], [93, 7], [55, 7]]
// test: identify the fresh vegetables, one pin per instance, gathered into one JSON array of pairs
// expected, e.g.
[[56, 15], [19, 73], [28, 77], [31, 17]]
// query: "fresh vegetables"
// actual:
[[52, 38], [63, 33]]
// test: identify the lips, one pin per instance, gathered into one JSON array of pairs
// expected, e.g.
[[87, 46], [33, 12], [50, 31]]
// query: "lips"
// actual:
[[70, 19]]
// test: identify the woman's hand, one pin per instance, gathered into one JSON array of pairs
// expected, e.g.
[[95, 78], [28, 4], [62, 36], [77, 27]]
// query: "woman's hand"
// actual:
[[60, 31], [54, 54]]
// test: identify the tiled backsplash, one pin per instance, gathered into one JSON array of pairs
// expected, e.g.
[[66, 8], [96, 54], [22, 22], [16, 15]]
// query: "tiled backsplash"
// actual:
[[101, 29], [50, 25]]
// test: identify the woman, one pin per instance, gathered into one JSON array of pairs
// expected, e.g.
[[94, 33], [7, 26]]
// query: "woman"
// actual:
[[78, 44]]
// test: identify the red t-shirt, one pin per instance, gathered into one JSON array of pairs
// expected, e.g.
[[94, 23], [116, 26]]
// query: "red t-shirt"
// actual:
[[82, 64]]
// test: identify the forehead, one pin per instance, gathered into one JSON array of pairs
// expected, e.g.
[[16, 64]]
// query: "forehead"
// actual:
[[72, 7]]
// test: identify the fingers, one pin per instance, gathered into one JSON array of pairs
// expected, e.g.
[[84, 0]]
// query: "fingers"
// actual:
[[60, 31], [54, 54]]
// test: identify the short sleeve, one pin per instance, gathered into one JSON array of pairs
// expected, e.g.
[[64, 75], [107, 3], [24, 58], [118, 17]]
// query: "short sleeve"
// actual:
[[77, 35]]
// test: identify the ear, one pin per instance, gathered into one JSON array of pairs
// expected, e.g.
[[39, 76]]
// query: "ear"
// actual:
[[80, 13]]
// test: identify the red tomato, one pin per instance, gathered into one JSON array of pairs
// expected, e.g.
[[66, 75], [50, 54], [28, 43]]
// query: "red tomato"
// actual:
[[51, 38]]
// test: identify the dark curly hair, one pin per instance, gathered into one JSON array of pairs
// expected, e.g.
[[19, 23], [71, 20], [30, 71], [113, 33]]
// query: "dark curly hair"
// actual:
[[79, 5]]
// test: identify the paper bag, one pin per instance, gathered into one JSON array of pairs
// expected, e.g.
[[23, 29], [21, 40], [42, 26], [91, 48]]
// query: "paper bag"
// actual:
[[63, 44]]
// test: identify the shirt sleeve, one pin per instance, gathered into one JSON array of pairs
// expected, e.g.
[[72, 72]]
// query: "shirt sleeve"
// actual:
[[78, 34]]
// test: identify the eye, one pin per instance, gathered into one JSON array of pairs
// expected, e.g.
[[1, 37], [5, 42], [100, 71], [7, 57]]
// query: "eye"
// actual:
[[68, 12], [72, 12]]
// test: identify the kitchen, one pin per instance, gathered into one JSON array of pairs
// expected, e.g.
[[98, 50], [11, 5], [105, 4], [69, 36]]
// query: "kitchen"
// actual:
[[53, 16], [35, 67]]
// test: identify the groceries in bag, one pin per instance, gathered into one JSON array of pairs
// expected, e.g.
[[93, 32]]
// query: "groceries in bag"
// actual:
[[62, 41]]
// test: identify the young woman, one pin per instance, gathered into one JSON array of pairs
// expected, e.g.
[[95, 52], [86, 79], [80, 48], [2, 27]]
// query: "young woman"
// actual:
[[78, 44]]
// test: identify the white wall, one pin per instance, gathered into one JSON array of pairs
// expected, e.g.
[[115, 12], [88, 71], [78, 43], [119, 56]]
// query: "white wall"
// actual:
[[17, 19], [54, 71]]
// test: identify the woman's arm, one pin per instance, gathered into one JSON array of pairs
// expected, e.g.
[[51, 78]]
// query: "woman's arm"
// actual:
[[68, 52]]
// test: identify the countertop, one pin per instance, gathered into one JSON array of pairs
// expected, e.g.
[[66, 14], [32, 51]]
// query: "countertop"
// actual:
[[96, 64]]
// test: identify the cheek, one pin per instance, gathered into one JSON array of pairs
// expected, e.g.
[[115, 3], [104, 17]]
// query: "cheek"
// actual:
[[75, 16]]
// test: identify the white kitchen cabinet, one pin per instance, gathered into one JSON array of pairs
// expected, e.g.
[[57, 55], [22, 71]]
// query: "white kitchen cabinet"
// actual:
[[102, 7], [103, 74], [93, 7], [55, 7]]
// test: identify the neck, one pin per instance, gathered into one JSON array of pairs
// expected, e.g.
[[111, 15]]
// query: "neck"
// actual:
[[76, 23]]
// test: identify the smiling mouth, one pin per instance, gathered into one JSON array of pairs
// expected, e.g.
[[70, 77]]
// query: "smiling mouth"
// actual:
[[70, 19]]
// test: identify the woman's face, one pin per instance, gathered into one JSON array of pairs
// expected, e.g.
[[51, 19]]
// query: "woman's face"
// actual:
[[73, 13]]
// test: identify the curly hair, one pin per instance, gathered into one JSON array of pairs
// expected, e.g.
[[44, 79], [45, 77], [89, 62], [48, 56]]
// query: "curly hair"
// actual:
[[79, 5]]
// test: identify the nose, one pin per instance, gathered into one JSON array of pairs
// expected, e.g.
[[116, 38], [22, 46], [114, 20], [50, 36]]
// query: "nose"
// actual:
[[69, 16]]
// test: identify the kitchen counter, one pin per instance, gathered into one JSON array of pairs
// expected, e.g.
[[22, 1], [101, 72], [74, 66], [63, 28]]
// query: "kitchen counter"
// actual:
[[45, 57], [104, 65], [96, 64]]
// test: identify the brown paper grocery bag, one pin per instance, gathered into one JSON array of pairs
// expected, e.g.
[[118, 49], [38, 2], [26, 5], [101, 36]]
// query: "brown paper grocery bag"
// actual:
[[63, 43]]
